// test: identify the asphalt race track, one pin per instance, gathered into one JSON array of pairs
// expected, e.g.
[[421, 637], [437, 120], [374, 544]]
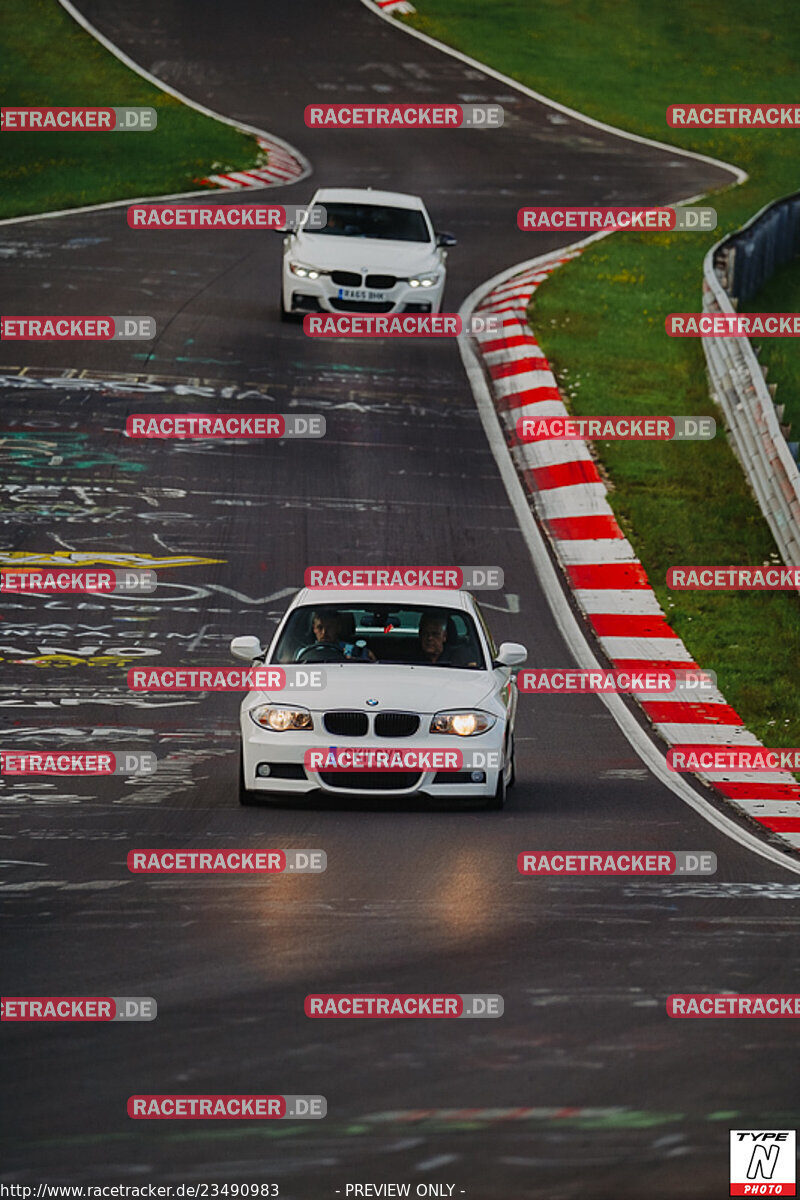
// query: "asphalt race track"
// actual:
[[596, 1093]]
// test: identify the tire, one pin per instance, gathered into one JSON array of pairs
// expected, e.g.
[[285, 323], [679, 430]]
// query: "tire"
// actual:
[[497, 801], [247, 798], [512, 779], [285, 316]]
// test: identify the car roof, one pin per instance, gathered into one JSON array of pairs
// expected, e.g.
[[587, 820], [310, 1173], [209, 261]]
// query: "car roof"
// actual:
[[433, 597], [367, 195]]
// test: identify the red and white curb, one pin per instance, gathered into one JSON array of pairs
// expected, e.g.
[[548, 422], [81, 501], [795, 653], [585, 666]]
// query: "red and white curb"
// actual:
[[394, 6], [283, 166], [603, 573], [413, 1116]]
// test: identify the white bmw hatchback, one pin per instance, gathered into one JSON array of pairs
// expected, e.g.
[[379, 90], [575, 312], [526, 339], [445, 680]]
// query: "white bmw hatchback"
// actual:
[[377, 253], [412, 669]]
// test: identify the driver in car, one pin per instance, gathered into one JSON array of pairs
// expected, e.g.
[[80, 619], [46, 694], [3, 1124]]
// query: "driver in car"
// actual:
[[327, 626]]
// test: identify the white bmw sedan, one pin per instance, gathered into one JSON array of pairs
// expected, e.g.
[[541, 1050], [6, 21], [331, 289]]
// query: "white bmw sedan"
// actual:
[[377, 253], [414, 670]]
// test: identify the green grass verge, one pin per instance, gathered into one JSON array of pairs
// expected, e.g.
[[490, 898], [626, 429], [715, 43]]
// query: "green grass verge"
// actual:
[[49, 60], [601, 317], [781, 355]]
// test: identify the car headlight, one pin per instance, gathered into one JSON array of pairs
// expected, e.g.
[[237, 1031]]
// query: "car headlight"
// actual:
[[281, 720], [423, 281], [304, 272], [465, 724]]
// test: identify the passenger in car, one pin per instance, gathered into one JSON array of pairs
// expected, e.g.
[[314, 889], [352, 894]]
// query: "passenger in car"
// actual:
[[433, 644]]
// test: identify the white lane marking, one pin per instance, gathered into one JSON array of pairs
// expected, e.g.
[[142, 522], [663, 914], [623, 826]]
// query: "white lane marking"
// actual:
[[566, 620], [440, 1160]]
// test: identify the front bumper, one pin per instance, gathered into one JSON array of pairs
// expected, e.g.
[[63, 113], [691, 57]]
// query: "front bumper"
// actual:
[[302, 295], [284, 754]]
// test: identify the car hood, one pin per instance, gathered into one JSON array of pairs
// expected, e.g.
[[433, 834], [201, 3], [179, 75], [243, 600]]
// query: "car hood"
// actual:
[[352, 253], [410, 688]]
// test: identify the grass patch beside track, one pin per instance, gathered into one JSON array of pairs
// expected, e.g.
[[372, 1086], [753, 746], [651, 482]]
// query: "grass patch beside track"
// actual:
[[781, 355], [49, 60], [600, 318]]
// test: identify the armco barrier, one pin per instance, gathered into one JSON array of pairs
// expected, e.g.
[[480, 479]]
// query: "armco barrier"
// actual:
[[733, 270]]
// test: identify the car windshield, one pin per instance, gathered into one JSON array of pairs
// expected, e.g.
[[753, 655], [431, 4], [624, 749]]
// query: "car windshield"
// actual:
[[373, 221], [418, 635]]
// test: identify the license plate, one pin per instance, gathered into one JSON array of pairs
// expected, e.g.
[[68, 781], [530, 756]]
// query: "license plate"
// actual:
[[360, 294]]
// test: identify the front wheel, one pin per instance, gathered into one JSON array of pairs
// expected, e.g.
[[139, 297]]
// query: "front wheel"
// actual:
[[497, 801], [246, 797]]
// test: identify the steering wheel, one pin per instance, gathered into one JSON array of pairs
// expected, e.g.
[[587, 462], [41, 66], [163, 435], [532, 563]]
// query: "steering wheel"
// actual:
[[322, 652]]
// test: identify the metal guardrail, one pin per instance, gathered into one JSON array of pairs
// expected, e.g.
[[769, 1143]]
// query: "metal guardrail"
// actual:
[[733, 270]]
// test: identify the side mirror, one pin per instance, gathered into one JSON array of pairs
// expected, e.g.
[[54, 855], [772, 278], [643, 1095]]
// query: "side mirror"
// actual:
[[246, 648], [511, 654], [446, 239]]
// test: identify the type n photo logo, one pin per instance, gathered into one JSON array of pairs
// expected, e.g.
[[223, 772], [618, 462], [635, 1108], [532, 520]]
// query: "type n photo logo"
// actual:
[[763, 1162]]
